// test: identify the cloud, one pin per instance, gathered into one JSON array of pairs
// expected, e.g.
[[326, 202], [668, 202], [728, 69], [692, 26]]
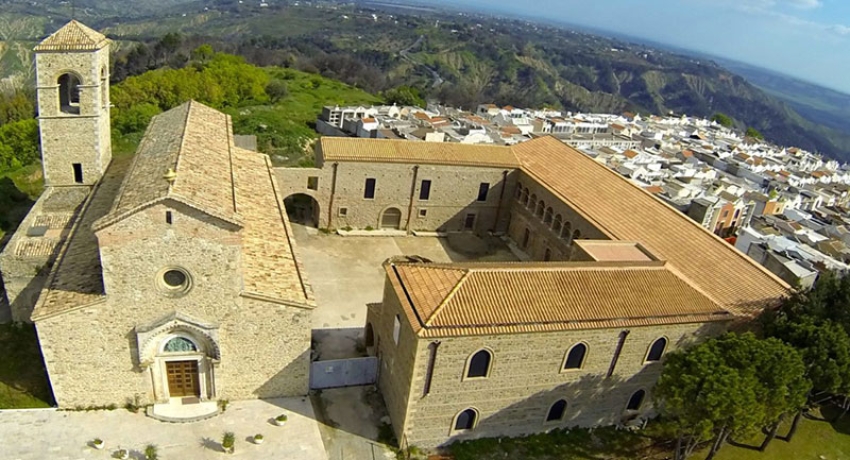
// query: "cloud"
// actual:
[[805, 4], [840, 29]]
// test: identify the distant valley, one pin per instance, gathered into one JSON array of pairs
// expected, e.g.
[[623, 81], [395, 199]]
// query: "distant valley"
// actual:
[[471, 58]]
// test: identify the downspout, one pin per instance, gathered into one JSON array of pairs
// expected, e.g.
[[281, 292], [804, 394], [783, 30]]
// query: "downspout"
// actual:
[[412, 194], [331, 202], [620, 344], [429, 372], [499, 205]]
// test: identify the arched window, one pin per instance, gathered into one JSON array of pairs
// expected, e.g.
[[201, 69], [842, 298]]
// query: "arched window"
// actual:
[[180, 345], [69, 93], [557, 411], [576, 234], [557, 224], [525, 197], [547, 256], [541, 206], [466, 420], [636, 400], [519, 192], [656, 350], [104, 86], [396, 328], [547, 218], [575, 357], [565, 233], [479, 364], [532, 201]]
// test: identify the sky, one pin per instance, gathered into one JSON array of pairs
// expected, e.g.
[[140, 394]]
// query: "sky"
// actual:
[[808, 39]]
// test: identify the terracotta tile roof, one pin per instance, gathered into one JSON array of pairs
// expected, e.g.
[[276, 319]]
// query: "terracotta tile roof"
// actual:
[[654, 189], [270, 268], [194, 141], [77, 277], [714, 266], [249, 192], [73, 36], [630, 153], [393, 151], [475, 299]]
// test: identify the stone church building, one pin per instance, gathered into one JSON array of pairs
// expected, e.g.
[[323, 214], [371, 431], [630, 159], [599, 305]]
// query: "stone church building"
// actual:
[[171, 276]]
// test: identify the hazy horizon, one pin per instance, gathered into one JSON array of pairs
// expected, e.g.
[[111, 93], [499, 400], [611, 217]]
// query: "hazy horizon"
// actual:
[[805, 39]]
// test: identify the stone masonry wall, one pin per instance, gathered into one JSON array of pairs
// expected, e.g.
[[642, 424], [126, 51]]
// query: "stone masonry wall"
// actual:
[[91, 353], [543, 235], [454, 193], [71, 138], [394, 376], [527, 377]]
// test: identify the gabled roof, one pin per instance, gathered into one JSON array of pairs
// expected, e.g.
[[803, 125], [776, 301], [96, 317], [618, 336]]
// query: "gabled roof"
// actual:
[[73, 36], [475, 299], [393, 151], [624, 211], [196, 143]]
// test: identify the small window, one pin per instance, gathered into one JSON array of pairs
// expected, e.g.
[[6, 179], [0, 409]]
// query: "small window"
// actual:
[[466, 420], [469, 222], [343, 212], [565, 232], [313, 183], [636, 400], [656, 350], [524, 199], [532, 201], [479, 364], [577, 234], [557, 224], [78, 173], [557, 411], [547, 218], [168, 217], [423, 212], [547, 256], [396, 328], [174, 282], [541, 206], [369, 191], [69, 94], [425, 190], [483, 190], [575, 357]]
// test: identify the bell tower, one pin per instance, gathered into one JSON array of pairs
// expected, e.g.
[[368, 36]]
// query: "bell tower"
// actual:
[[72, 78]]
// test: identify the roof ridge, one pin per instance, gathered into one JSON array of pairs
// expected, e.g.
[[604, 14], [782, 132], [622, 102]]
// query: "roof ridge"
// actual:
[[448, 297], [183, 136]]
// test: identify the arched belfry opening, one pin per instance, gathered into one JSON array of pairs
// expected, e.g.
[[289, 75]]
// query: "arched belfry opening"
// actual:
[[69, 93]]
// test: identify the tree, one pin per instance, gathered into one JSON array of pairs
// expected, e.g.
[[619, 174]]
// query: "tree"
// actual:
[[18, 144], [404, 95], [277, 90], [730, 386], [723, 120], [752, 132]]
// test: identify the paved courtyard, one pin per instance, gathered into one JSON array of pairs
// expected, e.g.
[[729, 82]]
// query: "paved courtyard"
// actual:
[[63, 435], [346, 275]]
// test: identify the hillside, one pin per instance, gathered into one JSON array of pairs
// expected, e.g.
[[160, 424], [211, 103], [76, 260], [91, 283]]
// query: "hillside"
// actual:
[[463, 60]]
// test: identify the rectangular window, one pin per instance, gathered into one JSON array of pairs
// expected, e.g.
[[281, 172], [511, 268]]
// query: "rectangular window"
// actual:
[[423, 212], [483, 190], [369, 192], [313, 183], [78, 173], [343, 212], [425, 190], [168, 217], [469, 222]]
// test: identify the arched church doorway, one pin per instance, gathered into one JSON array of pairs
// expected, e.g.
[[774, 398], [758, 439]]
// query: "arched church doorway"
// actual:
[[391, 219], [302, 209]]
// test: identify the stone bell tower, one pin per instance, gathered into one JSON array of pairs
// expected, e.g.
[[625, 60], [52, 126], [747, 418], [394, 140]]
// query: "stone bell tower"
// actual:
[[72, 78]]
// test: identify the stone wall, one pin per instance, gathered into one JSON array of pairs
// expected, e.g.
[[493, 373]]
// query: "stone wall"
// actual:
[[542, 225], [525, 379], [74, 138], [92, 354], [454, 193]]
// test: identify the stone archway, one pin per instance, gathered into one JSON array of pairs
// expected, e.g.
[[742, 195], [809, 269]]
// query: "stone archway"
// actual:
[[303, 209], [391, 219]]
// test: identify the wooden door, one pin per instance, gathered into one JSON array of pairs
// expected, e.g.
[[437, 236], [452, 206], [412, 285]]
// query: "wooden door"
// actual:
[[183, 378]]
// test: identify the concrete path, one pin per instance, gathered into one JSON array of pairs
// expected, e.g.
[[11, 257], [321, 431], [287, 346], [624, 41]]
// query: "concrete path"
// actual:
[[62, 435], [350, 420]]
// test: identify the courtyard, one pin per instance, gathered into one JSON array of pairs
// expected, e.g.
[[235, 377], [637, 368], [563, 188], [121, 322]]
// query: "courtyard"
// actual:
[[346, 275]]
